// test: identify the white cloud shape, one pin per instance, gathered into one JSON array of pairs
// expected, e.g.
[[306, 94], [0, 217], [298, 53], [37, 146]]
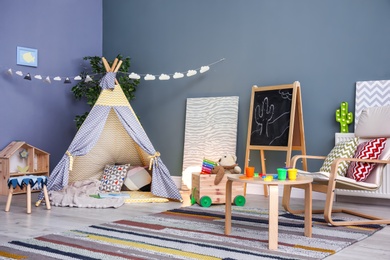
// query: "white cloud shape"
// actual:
[[164, 77], [38, 76], [149, 77], [191, 73], [58, 78], [77, 78], [19, 73], [134, 76], [203, 69], [178, 75], [88, 79]]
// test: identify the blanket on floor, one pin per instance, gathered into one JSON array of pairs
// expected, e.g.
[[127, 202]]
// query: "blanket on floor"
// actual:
[[77, 194]]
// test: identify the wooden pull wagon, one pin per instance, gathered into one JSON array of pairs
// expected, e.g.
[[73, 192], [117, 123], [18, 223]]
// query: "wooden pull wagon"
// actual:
[[205, 193]]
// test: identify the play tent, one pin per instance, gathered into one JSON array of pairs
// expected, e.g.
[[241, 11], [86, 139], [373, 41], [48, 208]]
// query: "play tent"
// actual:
[[111, 134]]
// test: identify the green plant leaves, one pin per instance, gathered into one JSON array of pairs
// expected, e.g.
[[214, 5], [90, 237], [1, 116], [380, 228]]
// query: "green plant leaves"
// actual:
[[91, 90]]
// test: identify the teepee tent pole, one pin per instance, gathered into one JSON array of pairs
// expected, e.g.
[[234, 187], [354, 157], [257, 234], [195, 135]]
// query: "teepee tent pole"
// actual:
[[105, 63], [114, 65], [117, 67]]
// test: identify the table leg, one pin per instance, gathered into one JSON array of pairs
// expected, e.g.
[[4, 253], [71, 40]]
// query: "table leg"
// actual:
[[308, 210], [228, 207], [273, 216]]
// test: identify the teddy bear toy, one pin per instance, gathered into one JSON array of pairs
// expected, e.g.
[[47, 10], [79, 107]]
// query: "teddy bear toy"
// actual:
[[226, 165]]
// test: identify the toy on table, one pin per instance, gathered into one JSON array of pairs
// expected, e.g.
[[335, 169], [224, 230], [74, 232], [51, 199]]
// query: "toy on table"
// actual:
[[282, 173], [270, 176], [250, 171]]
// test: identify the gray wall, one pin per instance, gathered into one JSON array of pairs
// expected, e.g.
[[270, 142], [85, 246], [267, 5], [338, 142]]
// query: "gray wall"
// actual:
[[63, 32], [326, 45]]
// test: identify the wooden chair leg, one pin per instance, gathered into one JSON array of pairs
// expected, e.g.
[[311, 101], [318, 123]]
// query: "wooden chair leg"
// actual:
[[367, 219], [9, 199], [28, 198]]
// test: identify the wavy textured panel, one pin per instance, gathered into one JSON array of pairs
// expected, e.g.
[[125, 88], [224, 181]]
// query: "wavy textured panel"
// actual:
[[371, 94], [210, 129]]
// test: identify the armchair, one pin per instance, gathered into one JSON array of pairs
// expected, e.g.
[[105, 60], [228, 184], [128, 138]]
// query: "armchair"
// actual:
[[373, 123]]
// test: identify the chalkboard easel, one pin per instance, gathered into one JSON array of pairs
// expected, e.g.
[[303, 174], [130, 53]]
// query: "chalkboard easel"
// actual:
[[275, 122]]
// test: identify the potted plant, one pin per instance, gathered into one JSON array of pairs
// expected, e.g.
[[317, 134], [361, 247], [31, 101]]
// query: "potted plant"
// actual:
[[89, 87]]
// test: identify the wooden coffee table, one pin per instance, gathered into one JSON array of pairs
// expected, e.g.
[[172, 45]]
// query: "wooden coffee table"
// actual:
[[304, 181]]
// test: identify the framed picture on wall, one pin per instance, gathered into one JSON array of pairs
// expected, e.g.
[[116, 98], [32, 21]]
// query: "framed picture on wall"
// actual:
[[26, 56]]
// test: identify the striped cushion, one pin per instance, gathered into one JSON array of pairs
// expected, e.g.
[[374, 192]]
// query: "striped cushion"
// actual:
[[372, 149], [344, 149]]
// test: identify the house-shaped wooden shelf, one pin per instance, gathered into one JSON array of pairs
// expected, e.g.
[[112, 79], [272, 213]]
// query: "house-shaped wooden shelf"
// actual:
[[21, 158]]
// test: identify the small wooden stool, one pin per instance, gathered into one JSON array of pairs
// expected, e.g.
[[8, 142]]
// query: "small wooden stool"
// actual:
[[29, 181]]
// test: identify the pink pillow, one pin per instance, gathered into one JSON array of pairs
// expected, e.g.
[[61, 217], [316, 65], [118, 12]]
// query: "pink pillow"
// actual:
[[368, 150]]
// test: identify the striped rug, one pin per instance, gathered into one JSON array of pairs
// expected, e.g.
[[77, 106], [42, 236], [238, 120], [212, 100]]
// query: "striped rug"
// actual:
[[191, 233]]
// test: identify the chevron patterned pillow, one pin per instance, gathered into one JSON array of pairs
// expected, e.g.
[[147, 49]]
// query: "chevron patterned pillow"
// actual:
[[344, 149], [368, 150]]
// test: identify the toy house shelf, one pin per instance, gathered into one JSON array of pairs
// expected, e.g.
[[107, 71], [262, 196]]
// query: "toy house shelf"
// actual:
[[19, 159]]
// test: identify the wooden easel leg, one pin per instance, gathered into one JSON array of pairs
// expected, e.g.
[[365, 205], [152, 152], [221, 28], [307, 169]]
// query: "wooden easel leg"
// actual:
[[264, 171], [266, 191], [9, 199]]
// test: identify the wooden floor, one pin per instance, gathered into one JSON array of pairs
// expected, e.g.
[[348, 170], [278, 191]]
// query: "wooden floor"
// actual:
[[16, 224]]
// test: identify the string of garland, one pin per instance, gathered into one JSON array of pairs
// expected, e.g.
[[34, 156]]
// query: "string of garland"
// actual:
[[132, 75]]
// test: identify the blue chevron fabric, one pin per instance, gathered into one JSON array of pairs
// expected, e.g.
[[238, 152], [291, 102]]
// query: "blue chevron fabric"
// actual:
[[344, 149], [108, 81]]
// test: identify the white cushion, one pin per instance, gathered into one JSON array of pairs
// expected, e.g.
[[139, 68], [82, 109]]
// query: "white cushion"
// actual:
[[136, 178], [373, 122], [324, 176]]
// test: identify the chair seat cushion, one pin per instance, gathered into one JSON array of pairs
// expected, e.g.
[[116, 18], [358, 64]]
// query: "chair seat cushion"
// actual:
[[35, 181], [324, 176], [371, 149], [344, 149]]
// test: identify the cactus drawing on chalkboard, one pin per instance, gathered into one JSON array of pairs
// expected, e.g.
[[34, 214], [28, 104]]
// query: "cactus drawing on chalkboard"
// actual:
[[271, 117], [344, 117], [263, 116]]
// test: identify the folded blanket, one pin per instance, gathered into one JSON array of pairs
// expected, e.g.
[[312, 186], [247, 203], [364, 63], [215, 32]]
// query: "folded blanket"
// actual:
[[77, 194]]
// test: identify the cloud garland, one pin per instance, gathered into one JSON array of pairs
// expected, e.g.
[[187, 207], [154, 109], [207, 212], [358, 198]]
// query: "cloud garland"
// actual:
[[132, 75]]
